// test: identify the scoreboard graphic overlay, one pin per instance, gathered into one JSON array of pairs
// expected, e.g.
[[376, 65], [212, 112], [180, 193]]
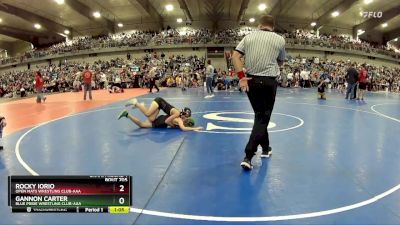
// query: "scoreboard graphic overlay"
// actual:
[[70, 194]]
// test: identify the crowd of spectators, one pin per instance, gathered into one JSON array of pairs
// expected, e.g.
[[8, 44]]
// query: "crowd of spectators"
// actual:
[[310, 38], [125, 73], [180, 71], [184, 36], [305, 72], [198, 36]]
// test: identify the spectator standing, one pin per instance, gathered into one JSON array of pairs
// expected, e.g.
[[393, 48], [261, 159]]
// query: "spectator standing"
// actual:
[[289, 79], [117, 80], [103, 80], [321, 89], [2, 125], [39, 83], [209, 79], [76, 85], [391, 80], [87, 82], [305, 75], [362, 82], [22, 92], [351, 78]]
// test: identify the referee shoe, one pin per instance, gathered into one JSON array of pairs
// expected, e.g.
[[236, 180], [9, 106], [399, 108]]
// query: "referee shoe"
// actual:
[[246, 164], [266, 153]]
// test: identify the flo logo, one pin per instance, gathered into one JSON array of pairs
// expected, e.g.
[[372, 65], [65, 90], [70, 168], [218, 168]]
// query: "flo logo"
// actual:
[[236, 123], [372, 14]]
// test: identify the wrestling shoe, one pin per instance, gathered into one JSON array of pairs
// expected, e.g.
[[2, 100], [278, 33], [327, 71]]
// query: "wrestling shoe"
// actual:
[[123, 114], [132, 103], [246, 164], [266, 153]]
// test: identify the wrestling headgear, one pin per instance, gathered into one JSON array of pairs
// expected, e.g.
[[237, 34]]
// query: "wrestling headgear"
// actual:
[[186, 112], [189, 122]]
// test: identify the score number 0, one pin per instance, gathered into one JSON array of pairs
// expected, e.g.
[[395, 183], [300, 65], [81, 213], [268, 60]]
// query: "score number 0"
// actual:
[[122, 199]]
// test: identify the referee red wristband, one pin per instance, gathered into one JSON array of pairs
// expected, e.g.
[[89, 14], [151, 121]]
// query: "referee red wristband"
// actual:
[[240, 74]]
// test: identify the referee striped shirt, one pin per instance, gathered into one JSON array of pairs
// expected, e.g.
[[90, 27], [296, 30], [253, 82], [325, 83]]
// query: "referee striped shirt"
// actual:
[[262, 49]]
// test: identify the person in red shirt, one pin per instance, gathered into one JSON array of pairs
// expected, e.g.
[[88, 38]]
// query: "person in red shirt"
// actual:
[[39, 83], [362, 82], [87, 82]]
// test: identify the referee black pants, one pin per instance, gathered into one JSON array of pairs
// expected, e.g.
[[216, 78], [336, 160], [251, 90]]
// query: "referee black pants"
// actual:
[[153, 84], [262, 92]]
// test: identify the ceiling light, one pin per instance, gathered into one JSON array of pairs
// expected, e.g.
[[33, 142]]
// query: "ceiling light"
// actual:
[[1, 20], [335, 14], [313, 24], [179, 20], [396, 39], [384, 25], [251, 20], [368, 1], [60, 2], [97, 14], [37, 26], [66, 32], [169, 7], [262, 7], [120, 25]]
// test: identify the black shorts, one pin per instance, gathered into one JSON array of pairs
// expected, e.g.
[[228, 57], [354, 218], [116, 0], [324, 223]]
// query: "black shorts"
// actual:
[[362, 86], [164, 105], [159, 122]]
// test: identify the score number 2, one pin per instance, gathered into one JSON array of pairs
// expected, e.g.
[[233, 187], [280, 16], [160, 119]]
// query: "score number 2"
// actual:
[[121, 200]]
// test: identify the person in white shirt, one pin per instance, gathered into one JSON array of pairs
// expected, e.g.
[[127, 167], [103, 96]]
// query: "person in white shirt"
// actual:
[[209, 79], [103, 80], [305, 75], [117, 81], [22, 92], [76, 85], [290, 79]]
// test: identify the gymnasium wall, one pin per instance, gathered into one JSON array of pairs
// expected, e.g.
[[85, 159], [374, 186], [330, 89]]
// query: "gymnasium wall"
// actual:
[[219, 63]]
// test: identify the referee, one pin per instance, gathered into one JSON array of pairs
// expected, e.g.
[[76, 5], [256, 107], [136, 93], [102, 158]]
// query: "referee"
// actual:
[[153, 76], [264, 53]]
